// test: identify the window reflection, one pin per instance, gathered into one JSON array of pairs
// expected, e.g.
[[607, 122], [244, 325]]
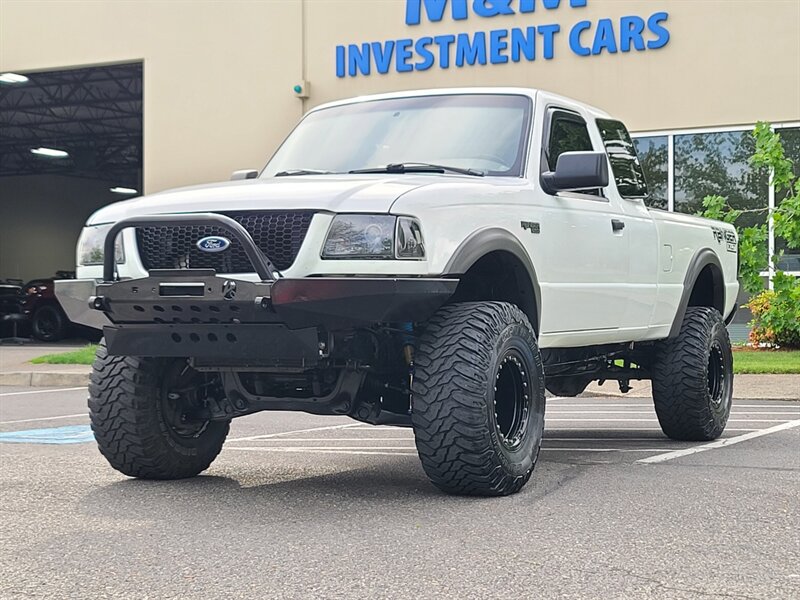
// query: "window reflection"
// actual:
[[487, 132], [627, 169], [719, 164], [653, 156], [790, 261]]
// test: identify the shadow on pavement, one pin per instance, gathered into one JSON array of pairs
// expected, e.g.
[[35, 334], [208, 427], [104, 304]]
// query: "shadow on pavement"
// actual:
[[395, 483]]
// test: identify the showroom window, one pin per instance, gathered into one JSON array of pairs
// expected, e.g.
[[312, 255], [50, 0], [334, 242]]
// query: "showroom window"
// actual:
[[717, 163], [790, 260], [683, 167], [653, 156]]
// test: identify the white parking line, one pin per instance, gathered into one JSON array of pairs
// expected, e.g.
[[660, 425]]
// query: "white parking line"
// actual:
[[549, 449], [282, 433], [407, 451], [328, 439], [411, 439], [599, 429], [304, 448], [652, 412], [719, 443], [649, 403], [42, 391], [654, 420], [83, 414], [604, 439], [324, 451]]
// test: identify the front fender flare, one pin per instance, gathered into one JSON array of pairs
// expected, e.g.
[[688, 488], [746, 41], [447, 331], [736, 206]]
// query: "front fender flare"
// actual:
[[489, 240]]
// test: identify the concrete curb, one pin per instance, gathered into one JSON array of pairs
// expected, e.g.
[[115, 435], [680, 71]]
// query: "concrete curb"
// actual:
[[44, 379], [736, 398]]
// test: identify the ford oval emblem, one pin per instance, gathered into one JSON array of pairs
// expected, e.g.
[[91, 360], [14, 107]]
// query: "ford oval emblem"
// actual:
[[213, 243]]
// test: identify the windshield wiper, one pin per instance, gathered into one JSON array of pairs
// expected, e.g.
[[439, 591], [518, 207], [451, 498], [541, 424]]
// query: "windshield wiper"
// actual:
[[292, 172], [419, 167]]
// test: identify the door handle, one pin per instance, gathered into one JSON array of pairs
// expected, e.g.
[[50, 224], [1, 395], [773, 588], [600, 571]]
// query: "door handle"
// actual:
[[617, 225]]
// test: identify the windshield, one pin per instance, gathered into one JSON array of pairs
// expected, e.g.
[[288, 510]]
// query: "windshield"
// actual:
[[469, 131]]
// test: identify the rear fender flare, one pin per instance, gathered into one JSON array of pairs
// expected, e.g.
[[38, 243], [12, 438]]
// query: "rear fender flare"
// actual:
[[700, 261]]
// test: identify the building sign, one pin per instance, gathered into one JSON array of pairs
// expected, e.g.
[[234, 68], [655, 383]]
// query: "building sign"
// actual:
[[529, 43]]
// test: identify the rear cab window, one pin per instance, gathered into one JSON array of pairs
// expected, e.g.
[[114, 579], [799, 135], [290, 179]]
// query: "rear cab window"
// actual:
[[625, 165]]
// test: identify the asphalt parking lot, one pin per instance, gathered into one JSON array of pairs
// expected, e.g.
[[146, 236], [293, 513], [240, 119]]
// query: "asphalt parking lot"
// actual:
[[299, 506]]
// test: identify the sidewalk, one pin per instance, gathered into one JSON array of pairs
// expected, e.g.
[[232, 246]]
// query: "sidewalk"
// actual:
[[16, 370], [745, 387]]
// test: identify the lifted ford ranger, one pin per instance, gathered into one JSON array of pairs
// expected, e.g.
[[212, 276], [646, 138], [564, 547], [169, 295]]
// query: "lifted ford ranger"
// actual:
[[429, 259]]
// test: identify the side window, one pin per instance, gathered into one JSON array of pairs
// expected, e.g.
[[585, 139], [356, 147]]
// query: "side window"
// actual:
[[625, 164], [568, 133]]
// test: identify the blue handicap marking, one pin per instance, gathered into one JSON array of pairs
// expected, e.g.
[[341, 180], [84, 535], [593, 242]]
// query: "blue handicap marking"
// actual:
[[71, 434]]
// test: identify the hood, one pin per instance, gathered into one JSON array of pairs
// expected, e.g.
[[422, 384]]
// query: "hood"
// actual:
[[335, 193]]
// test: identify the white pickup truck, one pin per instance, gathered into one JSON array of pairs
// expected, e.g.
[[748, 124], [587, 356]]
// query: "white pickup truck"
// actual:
[[433, 259]]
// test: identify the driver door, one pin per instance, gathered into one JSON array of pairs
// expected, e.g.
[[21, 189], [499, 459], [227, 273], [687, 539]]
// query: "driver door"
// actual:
[[586, 261]]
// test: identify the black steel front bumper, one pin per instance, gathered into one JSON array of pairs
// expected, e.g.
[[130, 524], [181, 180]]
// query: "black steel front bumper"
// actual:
[[197, 313]]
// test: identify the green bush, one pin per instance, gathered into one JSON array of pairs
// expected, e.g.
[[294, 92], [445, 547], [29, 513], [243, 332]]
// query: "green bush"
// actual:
[[776, 313]]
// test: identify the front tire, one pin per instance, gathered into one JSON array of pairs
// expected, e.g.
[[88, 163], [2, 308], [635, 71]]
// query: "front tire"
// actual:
[[693, 378], [137, 407], [478, 399]]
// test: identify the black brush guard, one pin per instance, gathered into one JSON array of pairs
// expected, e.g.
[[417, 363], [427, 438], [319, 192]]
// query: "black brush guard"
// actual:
[[196, 313]]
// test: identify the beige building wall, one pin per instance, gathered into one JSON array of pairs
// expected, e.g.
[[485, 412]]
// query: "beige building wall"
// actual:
[[218, 75], [728, 61]]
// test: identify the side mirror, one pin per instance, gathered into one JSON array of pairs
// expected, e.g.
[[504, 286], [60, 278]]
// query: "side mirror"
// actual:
[[577, 171], [244, 174]]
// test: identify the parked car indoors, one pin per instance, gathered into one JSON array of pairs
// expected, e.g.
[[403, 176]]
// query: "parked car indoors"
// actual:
[[48, 322], [11, 299]]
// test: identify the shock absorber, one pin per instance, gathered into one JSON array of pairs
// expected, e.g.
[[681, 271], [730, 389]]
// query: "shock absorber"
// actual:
[[408, 356]]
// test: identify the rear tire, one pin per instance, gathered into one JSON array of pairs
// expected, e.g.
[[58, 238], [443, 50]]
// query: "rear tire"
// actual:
[[478, 399], [693, 378], [136, 417], [49, 323]]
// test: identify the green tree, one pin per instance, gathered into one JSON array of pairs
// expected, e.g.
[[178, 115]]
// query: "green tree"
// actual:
[[776, 312]]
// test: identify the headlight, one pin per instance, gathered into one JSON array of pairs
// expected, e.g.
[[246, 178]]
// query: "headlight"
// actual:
[[360, 236], [374, 237], [90, 246]]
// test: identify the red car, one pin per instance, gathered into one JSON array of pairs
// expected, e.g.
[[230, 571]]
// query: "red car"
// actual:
[[48, 322]]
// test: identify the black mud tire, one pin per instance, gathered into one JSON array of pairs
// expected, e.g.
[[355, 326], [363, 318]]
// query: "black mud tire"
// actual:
[[49, 323], [471, 439], [693, 378], [127, 410]]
